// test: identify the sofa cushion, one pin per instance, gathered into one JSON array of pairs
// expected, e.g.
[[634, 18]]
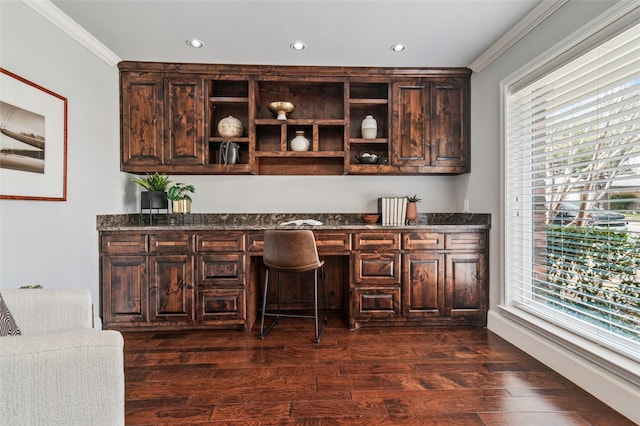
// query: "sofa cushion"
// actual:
[[8, 326]]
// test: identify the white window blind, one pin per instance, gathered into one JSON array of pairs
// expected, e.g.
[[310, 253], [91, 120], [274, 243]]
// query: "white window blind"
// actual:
[[572, 182]]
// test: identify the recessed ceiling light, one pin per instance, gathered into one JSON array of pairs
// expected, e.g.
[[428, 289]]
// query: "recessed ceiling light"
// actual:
[[398, 47], [195, 43], [298, 45]]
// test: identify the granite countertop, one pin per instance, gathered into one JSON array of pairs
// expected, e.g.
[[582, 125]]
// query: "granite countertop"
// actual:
[[261, 221]]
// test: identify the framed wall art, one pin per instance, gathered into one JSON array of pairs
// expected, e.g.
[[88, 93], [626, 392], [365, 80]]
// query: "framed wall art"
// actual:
[[33, 141]]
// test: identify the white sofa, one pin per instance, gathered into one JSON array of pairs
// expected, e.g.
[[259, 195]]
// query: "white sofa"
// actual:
[[60, 371]]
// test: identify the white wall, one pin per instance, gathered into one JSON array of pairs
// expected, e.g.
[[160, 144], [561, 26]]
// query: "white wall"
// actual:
[[55, 244], [482, 188]]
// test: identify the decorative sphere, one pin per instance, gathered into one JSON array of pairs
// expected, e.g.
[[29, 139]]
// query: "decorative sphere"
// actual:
[[230, 127]]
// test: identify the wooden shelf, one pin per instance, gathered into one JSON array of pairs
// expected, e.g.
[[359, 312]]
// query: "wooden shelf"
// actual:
[[301, 154]]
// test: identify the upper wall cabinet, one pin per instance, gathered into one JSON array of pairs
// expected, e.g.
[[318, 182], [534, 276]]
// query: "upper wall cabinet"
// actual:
[[171, 114]]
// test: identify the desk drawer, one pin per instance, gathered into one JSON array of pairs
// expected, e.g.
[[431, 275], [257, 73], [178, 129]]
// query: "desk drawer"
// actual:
[[422, 241], [326, 242], [171, 243], [123, 243], [333, 242], [220, 241], [376, 268], [221, 269], [468, 241], [372, 241]]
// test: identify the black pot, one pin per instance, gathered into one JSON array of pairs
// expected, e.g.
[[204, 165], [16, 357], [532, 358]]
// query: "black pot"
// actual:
[[154, 200]]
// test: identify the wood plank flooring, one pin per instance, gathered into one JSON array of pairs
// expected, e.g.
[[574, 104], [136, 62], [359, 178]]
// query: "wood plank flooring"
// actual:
[[371, 376]]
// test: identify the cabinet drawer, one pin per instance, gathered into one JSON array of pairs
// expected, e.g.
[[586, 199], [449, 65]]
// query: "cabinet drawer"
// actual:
[[221, 269], [333, 242], [220, 241], [123, 243], [327, 242], [476, 241], [376, 241], [422, 241], [378, 302], [255, 243], [221, 304], [171, 243], [376, 268]]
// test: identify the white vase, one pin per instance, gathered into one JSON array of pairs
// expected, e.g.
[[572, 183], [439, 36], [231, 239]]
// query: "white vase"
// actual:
[[300, 143], [369, 127]]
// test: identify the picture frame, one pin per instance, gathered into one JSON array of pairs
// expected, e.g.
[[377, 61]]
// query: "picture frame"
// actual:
[[33, 141]]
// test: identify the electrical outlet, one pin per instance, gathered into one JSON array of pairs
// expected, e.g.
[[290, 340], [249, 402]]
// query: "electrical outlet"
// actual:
[[466, 206]]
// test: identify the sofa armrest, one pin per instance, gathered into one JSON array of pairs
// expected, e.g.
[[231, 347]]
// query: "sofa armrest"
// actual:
[[66, 378], [40, 311]]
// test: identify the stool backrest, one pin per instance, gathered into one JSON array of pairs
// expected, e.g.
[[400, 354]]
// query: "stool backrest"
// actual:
[[290, 250]]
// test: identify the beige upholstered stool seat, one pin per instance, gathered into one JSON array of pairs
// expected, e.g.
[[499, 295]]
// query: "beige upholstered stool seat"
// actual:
[[291, 251]]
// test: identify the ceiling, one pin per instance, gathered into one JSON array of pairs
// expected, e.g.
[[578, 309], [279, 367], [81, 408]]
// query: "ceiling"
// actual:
[[437, 33]]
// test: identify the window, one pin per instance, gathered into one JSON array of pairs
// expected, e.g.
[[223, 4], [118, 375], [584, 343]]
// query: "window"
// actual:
[[572, 186]]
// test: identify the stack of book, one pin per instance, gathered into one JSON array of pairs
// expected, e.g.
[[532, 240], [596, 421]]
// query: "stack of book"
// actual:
[[393, 210]]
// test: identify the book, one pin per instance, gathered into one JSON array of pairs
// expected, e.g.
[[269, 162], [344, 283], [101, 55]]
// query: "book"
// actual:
[[393, 210]]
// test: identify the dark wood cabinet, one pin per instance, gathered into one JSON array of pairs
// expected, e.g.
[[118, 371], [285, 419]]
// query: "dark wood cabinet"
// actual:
[[170, 115], [162, 122], [431, 125], [191, 279], [444, 275]]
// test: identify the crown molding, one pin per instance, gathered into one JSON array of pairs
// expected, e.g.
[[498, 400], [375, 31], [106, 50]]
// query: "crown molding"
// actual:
[[58, 18], [511, 37]]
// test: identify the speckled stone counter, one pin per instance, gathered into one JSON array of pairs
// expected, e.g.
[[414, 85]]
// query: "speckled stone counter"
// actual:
[[257, 221]]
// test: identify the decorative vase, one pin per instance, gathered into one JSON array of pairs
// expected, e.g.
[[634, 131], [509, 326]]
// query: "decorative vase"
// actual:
[[412, 213], [300, 143], [181, 206], [230, 127], [369, 127]]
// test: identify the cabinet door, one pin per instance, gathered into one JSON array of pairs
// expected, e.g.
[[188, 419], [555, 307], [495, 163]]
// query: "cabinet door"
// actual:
[[410, 142], [185, 137], [423, 284], [171, 289], [450, 123], [465, 293], [124, 297], [142, 119]]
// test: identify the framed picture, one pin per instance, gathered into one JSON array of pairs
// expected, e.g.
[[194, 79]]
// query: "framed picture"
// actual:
[[33, 141]]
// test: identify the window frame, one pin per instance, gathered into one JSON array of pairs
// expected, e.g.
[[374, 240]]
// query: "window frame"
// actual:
[[616, 20]]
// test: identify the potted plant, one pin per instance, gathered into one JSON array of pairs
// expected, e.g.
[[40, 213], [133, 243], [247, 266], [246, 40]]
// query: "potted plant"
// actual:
[[155, 196], [412, 210], [179, 195]]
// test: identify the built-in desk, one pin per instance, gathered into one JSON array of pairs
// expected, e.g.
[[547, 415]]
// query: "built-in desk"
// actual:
[[204, 271]]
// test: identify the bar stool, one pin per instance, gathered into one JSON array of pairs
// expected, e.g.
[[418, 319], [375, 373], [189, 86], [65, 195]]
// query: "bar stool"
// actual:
[[287, 251]]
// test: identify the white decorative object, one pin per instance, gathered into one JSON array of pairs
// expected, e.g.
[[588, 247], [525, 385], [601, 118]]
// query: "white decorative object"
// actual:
[[369, 127], [230, 127], [300, 143]]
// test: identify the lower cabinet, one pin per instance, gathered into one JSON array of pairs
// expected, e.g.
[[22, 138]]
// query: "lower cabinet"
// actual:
[[181, 279], [419, 278], [169, 280]]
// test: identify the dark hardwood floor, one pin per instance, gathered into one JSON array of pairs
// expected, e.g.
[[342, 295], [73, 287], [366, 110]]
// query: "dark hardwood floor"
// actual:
[[372, 376]]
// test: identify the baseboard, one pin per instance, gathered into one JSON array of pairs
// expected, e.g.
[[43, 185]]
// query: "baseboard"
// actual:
[[620, 394]]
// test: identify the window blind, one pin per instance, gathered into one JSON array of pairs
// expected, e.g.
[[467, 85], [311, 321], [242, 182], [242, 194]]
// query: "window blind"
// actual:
[[572, 182]]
